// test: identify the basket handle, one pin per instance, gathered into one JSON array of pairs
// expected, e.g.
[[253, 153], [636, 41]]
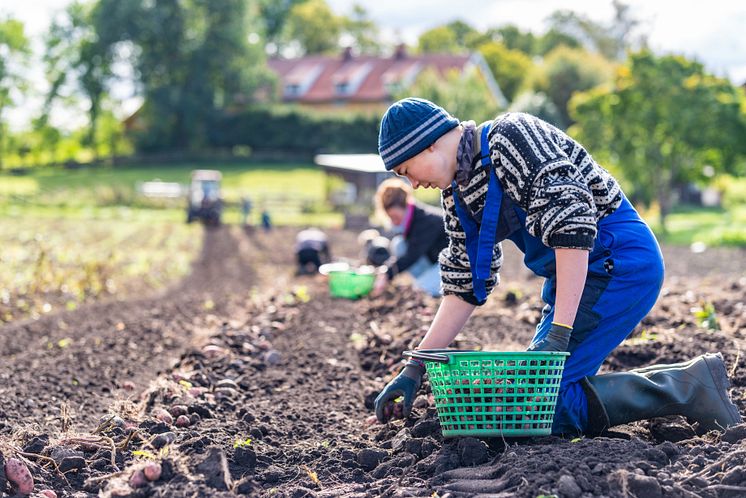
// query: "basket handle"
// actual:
[[427, 356]]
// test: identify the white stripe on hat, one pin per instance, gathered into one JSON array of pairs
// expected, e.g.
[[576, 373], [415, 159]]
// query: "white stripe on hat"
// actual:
[[411, 133], [424, 134]]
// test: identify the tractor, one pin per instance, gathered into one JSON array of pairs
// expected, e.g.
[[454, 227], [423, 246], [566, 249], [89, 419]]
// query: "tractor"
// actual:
[[204, 202]]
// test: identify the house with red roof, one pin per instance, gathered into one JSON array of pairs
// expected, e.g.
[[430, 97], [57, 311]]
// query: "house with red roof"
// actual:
[[366, 81]]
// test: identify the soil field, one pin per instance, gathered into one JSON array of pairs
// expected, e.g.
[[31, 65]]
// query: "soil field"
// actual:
[[244, 380]]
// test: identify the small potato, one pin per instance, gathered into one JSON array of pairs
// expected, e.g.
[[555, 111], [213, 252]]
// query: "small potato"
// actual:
[[152, 471], [48, 493], [183, 421], [398, 411], [163, 415], [19, 476], [137, 479], [388, 410], [178, 410], [372, 420]]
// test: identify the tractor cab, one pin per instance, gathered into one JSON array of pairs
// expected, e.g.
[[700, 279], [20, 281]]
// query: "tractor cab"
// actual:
[[204, 199]]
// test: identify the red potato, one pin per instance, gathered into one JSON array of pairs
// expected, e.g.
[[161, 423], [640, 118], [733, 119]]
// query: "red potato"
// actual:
[[138, 479], [183, 421], [398, 410], [163, 415], [152, 471], [388, 410], [19, 476], [48, 493], [178, 410], [372, 420]]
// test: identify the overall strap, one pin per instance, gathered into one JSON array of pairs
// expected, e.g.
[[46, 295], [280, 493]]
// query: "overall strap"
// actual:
[[480, 240]]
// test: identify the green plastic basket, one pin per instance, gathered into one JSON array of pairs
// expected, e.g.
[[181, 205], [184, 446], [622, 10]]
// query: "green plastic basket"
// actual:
[[482, 393], [351, 284]]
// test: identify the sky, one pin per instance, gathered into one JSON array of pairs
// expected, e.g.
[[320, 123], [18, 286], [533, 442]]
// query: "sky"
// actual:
[[710, 32]]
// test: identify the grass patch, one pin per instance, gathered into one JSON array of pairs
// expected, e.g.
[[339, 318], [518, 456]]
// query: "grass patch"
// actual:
[[294, 194], [714, 227]]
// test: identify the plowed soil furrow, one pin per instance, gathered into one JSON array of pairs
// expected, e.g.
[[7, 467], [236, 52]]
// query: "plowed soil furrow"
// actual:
[[86, 357]]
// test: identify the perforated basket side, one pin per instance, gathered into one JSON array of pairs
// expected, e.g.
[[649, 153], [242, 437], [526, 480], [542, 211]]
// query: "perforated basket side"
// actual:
[[508, 394]]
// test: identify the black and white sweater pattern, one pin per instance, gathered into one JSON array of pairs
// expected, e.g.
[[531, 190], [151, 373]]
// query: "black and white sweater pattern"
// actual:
[[547, 174]]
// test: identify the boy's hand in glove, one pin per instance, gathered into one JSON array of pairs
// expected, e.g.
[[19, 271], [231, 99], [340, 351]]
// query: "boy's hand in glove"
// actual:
[[405, 385], [558, 339]]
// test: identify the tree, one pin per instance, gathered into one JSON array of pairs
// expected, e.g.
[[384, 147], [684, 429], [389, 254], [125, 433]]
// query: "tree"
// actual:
[[610, 40], [661, 121], [515, 39], [509, 67], [362, 30], [14, 49], [314, 26], [465, 96], [75, 57], [539, 105], [554, 39], [193, 61], [274, 14], [565, 71], [441, 39]]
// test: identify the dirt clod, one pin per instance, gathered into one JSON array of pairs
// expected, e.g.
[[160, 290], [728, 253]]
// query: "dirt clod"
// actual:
[[370, 458], [215, 469]]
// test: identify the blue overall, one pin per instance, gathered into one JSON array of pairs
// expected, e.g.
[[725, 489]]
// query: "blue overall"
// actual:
[[625, 274]]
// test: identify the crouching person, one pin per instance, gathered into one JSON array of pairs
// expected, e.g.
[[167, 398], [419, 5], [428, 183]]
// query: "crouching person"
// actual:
[[421, 237], [311, 250], [522, 179]]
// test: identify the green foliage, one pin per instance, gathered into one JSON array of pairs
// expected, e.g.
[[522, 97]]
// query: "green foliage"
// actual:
[[707, 316], [509, 67], [193, 59], [274, 14], [539, 105], [441, 40], [515, 39], [242, 443], [296, 131], [687, 225], [465, 96], [14, 51], [314, 26], [362, 30], [607, 39], [661, 121], [733, 190], [566, 71], [553, 39]]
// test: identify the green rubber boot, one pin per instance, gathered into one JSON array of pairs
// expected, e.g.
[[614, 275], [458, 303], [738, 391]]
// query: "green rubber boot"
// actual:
[[697, 390]]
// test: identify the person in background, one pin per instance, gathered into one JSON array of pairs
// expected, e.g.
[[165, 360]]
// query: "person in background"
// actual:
[[245, 209], [266, 220], [374, 247], [520, 178], [312, 250], [421, 237]]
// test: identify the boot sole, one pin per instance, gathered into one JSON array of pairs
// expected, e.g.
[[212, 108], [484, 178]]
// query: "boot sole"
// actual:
[[716, 366]]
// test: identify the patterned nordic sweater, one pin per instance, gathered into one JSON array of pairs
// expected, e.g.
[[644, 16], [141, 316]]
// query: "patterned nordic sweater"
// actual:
[[550, 176]]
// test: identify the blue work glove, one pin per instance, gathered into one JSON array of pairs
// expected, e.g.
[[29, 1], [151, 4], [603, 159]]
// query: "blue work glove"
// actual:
[[558, 339], [405, 384]]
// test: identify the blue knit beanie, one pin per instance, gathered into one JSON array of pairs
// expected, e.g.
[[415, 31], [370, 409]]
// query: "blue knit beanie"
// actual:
[[409, 127]]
